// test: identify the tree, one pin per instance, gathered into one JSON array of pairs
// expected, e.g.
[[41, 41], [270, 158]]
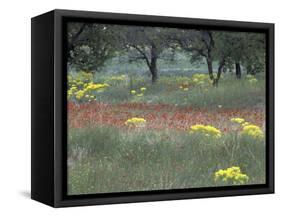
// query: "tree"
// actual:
[[90, 45], [199, 43], [223, 52], [235, 45], [239, 48], [256, 47], [228, 49], [147, 44]]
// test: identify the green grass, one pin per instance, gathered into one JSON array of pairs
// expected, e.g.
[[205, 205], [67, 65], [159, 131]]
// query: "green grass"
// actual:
[[108, 159], [231, 93]]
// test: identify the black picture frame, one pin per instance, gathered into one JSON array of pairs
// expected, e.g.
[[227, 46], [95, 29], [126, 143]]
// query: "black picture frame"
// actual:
[[48, 148]]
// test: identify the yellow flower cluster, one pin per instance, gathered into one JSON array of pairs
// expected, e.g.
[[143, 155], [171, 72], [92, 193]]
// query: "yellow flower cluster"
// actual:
[[79, 94], [82, 88], [249, 76], [135, 121], [92, 86], [231, 175], [118, 78], [238, 120], [252, 131], [184, 87], [249, 129], [251, 79], [142, 90], [206, 130], [182, 81], [200, 78]]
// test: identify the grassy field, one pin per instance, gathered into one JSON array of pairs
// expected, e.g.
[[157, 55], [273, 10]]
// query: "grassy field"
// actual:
[[187, 133], [231, 93]]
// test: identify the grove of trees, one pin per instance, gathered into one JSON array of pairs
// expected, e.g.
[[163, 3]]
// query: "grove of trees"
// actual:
[[91, 44]]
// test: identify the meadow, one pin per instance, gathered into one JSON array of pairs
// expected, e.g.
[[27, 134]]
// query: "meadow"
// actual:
[[127, 134]]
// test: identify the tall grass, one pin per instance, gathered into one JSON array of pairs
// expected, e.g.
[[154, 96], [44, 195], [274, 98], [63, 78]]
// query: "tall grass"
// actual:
[[231, 93], [108, 159]]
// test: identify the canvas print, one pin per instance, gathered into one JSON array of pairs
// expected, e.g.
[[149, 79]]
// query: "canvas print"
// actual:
[[157, 108]]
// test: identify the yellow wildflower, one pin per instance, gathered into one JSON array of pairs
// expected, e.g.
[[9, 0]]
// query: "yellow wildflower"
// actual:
[[206, 130], [232, 175], [73, 88], [92, 86], [246, 123], [195, 80], [238, 120], [118, 78], [253, 81], [250, 76], [135, 121], [80, 83], [79, 94], [252, 131]]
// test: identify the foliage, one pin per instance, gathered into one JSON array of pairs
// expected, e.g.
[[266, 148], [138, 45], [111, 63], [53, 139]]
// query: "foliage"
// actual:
[[147, 44], [90, 45], [240, 48]]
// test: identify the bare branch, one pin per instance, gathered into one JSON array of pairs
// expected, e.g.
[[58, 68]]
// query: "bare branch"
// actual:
[[145, 57]]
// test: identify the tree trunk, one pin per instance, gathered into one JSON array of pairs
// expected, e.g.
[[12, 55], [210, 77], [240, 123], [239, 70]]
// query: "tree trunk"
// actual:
[[153, 64], [238, 70], [210, 67], [220, 70], [249, 69], [153, 70]]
